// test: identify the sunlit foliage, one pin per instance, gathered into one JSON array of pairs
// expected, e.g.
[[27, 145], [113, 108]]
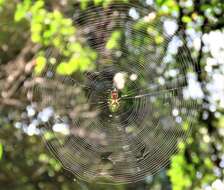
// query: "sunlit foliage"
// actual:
[[24, 161]]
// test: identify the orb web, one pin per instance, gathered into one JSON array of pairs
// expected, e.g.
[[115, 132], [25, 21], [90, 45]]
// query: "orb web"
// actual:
[[123, 139]]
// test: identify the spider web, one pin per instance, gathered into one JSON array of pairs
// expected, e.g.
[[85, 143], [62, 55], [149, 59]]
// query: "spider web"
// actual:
[[137, 140]]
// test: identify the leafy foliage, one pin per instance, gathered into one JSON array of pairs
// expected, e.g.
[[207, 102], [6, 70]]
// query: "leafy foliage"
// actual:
[[51, 29], [24, 161]]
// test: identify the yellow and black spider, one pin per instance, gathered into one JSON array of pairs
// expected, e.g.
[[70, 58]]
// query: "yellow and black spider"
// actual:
[[113, 102]]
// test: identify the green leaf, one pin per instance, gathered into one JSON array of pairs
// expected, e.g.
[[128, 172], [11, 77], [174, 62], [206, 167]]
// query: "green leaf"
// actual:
[[66, 69], [84, 4], [20, 13], [36, 38], [84, 63], [55, 164], [221, 122], [159, 39], [57, 15], [113, 41], [180, 170], [43, 158], [2, 2], [40, 64], [97, 2], [36, 27], [160, 2], [1, 151], [21, 10], [186, 19], [37, 6], [49, 135]]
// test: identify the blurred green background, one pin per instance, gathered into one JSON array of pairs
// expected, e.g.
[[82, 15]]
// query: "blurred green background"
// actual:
[[29, 28]]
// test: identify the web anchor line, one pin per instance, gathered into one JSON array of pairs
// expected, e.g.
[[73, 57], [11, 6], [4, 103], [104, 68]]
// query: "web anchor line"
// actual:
[[174, 81], [151, 94]]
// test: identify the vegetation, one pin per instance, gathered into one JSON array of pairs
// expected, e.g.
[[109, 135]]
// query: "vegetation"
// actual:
[[45, 39]]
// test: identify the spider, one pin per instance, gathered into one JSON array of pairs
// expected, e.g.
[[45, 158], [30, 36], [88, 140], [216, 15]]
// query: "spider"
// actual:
[[114, 103]]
